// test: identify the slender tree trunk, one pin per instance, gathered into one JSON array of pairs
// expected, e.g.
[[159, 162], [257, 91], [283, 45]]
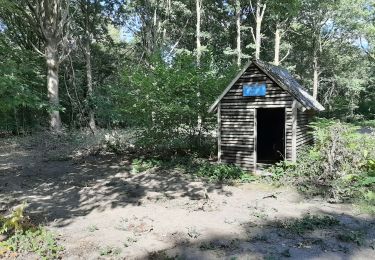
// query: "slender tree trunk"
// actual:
[[316, 69], [198, 5], [238, 25], [52, 60], [92, 124], [199, 54], [257, 32], [260, 9], [276, 59], [316, 75]]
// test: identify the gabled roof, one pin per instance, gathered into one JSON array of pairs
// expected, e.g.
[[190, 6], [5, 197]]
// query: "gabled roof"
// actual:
[[283, 79]]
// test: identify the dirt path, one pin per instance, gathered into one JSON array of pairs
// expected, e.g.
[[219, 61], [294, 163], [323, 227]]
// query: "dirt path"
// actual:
[[102, 211]]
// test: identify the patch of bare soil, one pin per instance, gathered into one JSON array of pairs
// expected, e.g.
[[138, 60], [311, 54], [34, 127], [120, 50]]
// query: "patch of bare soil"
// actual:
[[100, 210]]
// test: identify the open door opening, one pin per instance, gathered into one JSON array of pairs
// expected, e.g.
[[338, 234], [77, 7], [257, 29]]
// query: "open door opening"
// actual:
[[270, 135]]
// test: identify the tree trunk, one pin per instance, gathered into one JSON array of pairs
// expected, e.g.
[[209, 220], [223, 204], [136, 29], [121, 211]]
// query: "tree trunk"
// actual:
[[276, 59], [92, 124], [52, 60], [238, 25], [316, 75], [198, 30], [260, 9], [199, 54]]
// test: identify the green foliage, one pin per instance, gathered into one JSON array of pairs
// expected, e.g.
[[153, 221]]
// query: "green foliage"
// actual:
[[15, 222], [356, 237], [222, 172], [278, 170], [39, 241], [367, 202], [21, 86], [338, 166], [141, 165], [309, 223], [165, 101], [23, 237]]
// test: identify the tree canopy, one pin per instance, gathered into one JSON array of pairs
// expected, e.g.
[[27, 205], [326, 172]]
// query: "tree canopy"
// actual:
[[158, 64]]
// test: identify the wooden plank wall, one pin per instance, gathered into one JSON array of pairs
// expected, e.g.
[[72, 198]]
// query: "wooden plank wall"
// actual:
[[288, 133], [237, 118], [303, 135]]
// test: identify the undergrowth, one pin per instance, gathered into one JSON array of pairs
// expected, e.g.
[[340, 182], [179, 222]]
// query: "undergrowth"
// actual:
[[21, 237], [339, 166]]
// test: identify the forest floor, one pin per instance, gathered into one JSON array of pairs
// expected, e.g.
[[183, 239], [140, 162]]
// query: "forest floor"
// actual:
[[101, 210]]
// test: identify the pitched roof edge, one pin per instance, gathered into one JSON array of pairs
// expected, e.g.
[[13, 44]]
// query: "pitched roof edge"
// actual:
[[278, 82], [281, 84], [216, 102]]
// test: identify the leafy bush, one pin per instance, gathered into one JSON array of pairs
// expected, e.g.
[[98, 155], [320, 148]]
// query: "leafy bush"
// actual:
[[338, 166], [15, 222], [39, 241], [23, 237]]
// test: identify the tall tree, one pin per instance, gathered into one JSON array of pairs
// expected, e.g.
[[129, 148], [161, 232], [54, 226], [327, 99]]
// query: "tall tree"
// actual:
[[49, 19], [282, 14], [258, 13], [317, 19], [238, 31], [198, 6]]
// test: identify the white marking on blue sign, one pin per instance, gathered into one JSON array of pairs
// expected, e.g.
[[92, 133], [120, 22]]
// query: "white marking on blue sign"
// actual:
[[254, 90]]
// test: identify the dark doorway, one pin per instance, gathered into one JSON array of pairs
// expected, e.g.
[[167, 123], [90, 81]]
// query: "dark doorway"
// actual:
[[270, 134]]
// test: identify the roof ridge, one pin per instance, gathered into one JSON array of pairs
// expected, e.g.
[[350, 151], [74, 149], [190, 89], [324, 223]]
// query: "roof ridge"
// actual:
[[283, 78]]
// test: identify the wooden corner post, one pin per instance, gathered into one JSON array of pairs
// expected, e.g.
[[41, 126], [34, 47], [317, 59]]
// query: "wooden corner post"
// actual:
[[294, 131], [219, 132]]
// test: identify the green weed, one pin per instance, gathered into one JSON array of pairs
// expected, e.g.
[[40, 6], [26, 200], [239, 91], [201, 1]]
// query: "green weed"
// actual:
[[141, 165], [39, 241], [16, 221], [92, 228], [222, 172], [356, 237], [109, 251]]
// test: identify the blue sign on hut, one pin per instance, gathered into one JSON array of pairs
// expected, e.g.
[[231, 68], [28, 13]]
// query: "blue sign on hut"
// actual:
[[263, 116]]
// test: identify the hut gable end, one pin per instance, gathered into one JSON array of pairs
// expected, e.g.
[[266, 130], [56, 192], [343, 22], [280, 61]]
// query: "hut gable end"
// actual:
[[264, 125], [258, 71], [275, 95]]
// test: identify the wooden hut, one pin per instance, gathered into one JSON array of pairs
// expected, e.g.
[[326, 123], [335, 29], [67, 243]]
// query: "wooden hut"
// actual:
[[263, 116]]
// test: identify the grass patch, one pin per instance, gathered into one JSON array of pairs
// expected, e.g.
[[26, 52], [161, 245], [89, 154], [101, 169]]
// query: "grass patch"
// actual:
[[366, 123], [308, 223], [356, 237]]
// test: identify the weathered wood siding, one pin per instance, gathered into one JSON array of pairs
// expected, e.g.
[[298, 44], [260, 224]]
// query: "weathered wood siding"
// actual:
[[237, 119], [304, 136]]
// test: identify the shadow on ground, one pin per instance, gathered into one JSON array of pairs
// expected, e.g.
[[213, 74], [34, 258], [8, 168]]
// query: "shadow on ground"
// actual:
[[349, 238], [60, 189]]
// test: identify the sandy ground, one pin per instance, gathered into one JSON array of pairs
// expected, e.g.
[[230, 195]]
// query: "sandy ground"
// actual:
[[100, 210]]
